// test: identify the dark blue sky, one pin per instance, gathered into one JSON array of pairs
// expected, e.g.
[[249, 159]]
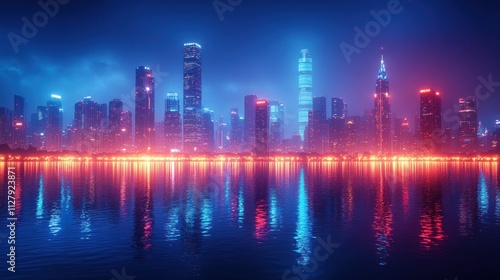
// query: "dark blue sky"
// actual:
[[93, 47]]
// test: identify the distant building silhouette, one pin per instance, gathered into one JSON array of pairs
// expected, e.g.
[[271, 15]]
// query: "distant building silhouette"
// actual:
[[144, 109]]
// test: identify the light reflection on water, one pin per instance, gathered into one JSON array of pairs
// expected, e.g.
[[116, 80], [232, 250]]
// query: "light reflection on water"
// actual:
[[256, 220]]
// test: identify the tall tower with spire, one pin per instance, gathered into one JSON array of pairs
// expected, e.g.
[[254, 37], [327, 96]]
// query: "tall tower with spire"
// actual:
[[382, 111]]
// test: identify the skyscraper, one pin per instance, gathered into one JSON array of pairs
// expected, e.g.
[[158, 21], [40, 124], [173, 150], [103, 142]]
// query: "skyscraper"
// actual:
[[249, 132], [337, 135], [317, 132], [54, 123], [468, 125], [88, 121], [382, 111], [144, 109], [173, 125], [125, 131], [276, 124], [192, 115], [261, 126], [236, 135], [5, 125], [305, 89], [430, 120], [18, 123], [114, 125], [207, 131]]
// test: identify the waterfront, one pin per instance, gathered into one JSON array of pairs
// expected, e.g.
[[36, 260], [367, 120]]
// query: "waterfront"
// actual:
[[255, 220]]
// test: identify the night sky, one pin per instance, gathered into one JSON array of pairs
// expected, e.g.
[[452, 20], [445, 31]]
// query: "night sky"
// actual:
[[93, 47]]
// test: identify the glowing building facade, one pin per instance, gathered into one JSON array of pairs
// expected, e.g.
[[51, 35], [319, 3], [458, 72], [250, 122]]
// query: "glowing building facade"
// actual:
[[192, 115], [430, 120], [305, 89], [144, 109], [382, 111]]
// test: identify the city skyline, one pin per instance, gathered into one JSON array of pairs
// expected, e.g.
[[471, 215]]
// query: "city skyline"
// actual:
[[93, 130], [98, 67]]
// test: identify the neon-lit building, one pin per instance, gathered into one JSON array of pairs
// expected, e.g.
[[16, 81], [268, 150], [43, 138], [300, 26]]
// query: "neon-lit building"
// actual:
[[305, 90], [276, 124], [430, 120], [337, 129], [192, 115], [468, 125], [54, 123], [144, 109], [249, 121], [382, 111], [18, 123], [261, 126], [173, 123], [236, 135]]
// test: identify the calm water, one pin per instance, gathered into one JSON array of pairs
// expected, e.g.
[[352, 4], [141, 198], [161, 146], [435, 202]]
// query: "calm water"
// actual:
[[254, 221]]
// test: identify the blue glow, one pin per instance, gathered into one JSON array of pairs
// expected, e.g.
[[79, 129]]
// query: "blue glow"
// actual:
[[303, 234]]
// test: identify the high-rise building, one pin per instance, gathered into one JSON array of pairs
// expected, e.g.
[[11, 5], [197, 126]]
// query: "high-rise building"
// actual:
[[173, 124], [337, 135], [221, 135], [144, 109], [114, 125], [276, 124], [249, 126], [305, 89], [41, 128], [207, 131], [468, 125], [125, 140], [261, 126], [382, 111], [430, 120], [87, 126], [317, 129], [236, 135], [54, 123], [5, 125], [192, 115], [18, 123]]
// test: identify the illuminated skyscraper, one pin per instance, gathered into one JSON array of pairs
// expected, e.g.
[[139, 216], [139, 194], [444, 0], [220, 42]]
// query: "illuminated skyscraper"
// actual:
[[337, 135], [305, 89], [18, 123], [468, 126], [236, 135], [54, 123], [276, 124], [207, 131], [88, 121], [317, 129], [192, 115], [5, 125], [249, 132], [382, 111], [115, 111], [261, 126], [125, 131], [173, 125], [430, 120], [144, 109]]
